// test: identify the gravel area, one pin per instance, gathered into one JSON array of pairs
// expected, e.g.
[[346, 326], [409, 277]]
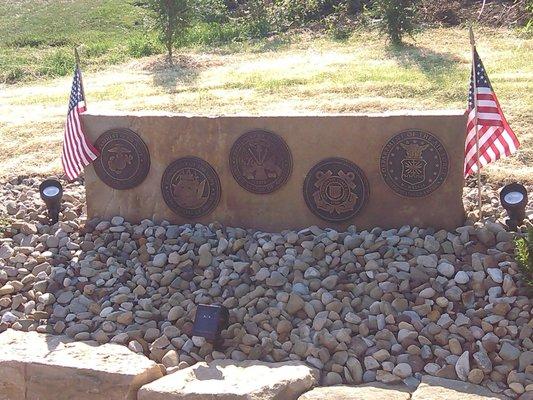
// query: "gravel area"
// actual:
[[361, 305]]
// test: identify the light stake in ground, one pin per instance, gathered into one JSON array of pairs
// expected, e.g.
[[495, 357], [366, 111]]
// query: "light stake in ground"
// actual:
[[513, 198], [51, 192], [209, 322]]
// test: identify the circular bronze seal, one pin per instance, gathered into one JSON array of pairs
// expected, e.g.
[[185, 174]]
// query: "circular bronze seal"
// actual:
[[260, 161], [124, 159], [414, 163], [191, 187], [335, 189]]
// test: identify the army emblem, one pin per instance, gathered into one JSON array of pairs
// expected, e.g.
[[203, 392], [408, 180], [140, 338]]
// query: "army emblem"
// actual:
[[414, 163], [335, 189], [124, 160], [260, 161], [191, 187]]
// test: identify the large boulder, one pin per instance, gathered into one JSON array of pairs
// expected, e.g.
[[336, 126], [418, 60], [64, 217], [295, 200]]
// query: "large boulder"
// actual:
[[46, 367], [231, 380], [374, 391], [433, 388]]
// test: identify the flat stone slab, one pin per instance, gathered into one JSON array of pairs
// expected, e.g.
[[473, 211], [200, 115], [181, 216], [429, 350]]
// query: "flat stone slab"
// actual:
[[371, 391], [413, 164], [433, 388], [45, 367], [231, 380]]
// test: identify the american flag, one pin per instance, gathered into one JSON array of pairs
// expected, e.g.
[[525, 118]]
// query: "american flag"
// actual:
[[77, 150], [496, 139]]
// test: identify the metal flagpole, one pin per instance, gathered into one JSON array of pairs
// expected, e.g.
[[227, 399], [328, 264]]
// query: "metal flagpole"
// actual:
[[474, 82], [78, 65]]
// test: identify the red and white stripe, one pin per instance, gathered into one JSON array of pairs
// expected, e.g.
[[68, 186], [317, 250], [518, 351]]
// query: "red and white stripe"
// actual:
[[78, 152], [496, 138]]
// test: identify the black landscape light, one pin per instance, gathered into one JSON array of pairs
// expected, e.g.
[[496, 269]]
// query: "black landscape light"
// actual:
[[209, 322], [513, 198], [51, 192]]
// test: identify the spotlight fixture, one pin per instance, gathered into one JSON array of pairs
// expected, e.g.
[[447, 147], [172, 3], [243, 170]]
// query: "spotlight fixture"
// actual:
[[209, 322], [51, 192], [513, 198]]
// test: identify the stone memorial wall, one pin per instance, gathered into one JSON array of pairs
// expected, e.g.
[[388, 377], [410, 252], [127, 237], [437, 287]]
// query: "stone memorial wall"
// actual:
[[279, 172]]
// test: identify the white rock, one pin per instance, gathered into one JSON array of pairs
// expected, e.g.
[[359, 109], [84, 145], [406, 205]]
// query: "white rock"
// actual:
[[461, 278], [428, 261], [462, 366], [427, 293], [446, 269], [116, 221], [496, 274], [205, 255], [402, 370], [160, 260]]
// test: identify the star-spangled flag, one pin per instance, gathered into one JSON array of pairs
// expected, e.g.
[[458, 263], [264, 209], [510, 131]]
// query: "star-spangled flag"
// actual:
[[496, 138], [78, 152]]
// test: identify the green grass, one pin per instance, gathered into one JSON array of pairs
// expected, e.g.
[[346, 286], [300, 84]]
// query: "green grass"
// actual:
[[4, 224], [37, 37], [288, 74], [524, 256]]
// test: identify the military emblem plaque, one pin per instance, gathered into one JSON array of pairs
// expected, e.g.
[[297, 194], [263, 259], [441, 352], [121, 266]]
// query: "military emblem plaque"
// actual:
[[414, 163], [335, 189], [260, 161], [124, 160], [191, 187]]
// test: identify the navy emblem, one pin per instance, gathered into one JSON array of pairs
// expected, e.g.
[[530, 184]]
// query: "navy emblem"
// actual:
[[191, 187]]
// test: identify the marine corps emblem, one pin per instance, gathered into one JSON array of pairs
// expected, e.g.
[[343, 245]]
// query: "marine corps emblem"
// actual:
[[414, 163], [120, 157], [124, 160], [335, 189], [260, 161], [191, 187]]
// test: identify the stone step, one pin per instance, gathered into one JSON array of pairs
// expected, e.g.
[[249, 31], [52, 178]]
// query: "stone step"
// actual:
[[370, 391], [232, 380], [433, 388], [46, 367]]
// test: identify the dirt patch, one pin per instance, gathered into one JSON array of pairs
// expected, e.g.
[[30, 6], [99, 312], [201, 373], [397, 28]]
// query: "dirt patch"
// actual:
[[184, 61]]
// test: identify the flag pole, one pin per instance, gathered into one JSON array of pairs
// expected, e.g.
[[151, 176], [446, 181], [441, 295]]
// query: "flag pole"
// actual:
[[474, 82], [78, 65]]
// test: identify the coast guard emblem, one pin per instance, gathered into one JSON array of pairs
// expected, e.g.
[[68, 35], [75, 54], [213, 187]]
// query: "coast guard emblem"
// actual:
[[335, 189]]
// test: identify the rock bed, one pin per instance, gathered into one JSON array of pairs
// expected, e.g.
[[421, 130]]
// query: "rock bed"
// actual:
[[361, 306]]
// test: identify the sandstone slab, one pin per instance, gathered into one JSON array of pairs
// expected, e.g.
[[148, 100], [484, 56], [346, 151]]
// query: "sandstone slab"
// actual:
[[44, 367], [230, 380], [373, 391], [433, 388], [310, 139]]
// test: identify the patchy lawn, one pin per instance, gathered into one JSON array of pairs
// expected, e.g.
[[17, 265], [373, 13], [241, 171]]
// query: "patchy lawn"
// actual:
[[37, 37], [289, 75]]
